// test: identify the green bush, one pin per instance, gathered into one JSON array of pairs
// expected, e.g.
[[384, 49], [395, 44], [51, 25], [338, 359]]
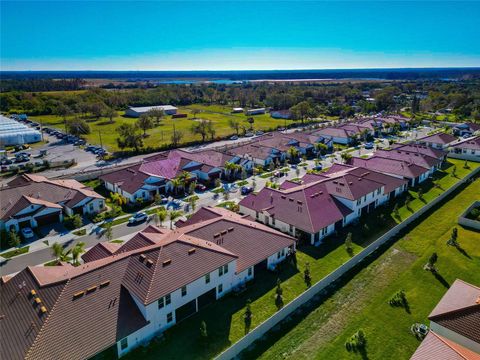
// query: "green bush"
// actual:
[[73, 222]]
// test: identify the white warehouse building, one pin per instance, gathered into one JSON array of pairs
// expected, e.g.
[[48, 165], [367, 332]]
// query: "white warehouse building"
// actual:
[[137, 111]]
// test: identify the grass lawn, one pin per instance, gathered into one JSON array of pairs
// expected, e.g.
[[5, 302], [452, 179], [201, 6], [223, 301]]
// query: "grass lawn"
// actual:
[[161, 135], [322, 332], [443, 178], [12, 253], [224, 318]]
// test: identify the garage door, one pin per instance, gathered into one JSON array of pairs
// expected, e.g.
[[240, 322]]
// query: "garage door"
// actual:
[[48, 219], [207, 298], [186, 310]]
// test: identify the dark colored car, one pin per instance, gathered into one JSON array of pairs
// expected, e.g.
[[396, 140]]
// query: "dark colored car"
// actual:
[[245, 190], [200, 187]]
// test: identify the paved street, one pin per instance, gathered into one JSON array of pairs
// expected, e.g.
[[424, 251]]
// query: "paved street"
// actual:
[[44, 255]]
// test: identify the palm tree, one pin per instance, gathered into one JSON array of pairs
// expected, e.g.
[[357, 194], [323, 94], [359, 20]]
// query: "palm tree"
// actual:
[[173, 215], [176, 183], [59, 252], [192, 202], [293, 153], [229, 169], [161, 214], [77, 250]]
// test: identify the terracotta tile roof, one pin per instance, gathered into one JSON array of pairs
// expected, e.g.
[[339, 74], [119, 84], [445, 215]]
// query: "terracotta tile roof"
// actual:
[[129, 179], [410, 157], [88, 308], [439, 138], [459, 310], [470, 144], [460, 295], [421, 149], [27, 189], [309, 208], [436, 347], [390, 166]]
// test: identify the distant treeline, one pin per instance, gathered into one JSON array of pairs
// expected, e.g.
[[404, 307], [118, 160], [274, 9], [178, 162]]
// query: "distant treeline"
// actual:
[[387, 74], [334, 99], [39, 84]]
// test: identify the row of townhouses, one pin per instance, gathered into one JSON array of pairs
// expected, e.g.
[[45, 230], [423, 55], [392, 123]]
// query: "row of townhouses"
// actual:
[[320, 204], [125, 294]]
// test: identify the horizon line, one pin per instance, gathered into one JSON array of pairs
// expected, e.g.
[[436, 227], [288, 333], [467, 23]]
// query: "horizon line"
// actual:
[[223, 70]]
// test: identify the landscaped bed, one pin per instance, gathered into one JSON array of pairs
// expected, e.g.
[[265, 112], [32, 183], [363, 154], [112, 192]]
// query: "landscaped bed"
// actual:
[[16, 252]]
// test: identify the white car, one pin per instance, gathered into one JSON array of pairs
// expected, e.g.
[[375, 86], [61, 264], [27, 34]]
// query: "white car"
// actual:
[[138, 217], [27, 233]]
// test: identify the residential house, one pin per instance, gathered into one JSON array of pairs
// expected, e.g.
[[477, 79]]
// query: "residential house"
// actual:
[[126, 294], [155, 175], [454, 326], [322, 203], [437, 141], [466, 129], [402, 169], [33, 200], [467, 149]]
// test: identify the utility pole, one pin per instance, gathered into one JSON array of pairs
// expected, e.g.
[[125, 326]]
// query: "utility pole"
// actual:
[[101, 143]]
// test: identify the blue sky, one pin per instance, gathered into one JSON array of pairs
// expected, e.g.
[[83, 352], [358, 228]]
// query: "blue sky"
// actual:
[[198, 35]]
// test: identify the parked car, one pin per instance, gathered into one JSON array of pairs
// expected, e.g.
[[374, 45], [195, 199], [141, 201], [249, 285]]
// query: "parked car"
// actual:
[[27, 233], [259, 132], [200, 187], [138, 217], [368, 145], [317, 168], [248, 134], [234, 137], [245, 190], [293, 166], [79, 142], [6, 162]]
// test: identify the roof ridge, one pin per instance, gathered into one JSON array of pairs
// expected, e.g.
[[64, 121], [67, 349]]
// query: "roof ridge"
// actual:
[[147, 297], [452, 312], [443, 340], [31, 348]]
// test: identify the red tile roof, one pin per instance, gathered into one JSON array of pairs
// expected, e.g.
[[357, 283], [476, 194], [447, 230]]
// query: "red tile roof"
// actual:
[[35, 189], [436, 347], [439, 138], [390, 166], [470, 144]]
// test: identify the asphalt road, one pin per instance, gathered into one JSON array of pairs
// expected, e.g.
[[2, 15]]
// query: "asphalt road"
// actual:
[[38, 257]]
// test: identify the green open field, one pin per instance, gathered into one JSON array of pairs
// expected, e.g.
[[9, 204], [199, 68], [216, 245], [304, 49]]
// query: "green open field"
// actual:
[[161, 135], [363, 302]]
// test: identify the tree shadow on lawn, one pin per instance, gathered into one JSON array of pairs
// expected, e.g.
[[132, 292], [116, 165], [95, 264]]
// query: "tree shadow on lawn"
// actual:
[[441, 279], [183, 340], [463, 252]]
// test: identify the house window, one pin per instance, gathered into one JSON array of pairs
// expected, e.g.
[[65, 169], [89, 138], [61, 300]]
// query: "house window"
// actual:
[[358, 202], [207, 278], [220, 271], [124, 343], [220, 288], [291, 228], [184, 290], [169, 317], [250, 271], [273, 221], [164, 301], [161, 302], [256, 214], [225, 268]]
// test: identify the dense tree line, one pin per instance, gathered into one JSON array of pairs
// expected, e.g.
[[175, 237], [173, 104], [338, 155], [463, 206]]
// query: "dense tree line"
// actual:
[[305, 100], [41, 84]]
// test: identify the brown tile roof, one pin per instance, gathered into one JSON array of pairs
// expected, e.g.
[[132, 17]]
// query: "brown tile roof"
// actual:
[[421, 149], [88, 308], [460, 295], [436, 347], [470, 144], [439, 138], [36, 189]]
